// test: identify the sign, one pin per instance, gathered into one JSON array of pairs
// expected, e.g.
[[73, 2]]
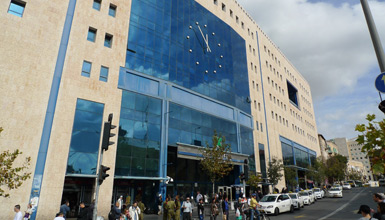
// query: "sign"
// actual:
[[380, 83]]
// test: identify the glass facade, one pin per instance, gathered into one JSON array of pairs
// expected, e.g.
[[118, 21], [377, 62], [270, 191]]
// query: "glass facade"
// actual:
[[296, 155], [262, 160], [247, 146], [162, 44], [139, 136], [84, 147], [189, 126], [287, 153]]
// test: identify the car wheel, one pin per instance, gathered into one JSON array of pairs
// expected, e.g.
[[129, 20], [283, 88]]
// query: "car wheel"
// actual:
[[291, 209], [276, 211]]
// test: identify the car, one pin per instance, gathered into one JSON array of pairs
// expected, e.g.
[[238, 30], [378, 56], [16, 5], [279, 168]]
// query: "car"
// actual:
[[318, 193], [276, 203], [337, 186], [352, 183], [297, 200], [335, 192], [358, 183], [346, 186], [381, 182], [307, 199], [311, 193]]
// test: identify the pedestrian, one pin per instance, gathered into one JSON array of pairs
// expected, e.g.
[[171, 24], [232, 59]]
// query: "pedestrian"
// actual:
[[82, 212], [126, 214], [59, 216], [142, 207], [253, 205], [365, 212], [225, 208], [187, 209], [18, 215], [170, 209], [201, 209], [238, 208], [165, 203], [65, 208], [128, 201], [199, 197], [380, 214], [120, 201], [134, 211], [116, 211], [91, 210], [378, 197], [214, 209], [28, 212], [177, 208], [160, 200]]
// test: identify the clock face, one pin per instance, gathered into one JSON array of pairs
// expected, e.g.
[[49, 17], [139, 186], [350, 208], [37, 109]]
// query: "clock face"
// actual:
[[209, 58]]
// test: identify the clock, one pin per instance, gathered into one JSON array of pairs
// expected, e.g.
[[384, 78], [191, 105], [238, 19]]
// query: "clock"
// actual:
[[212, 53]]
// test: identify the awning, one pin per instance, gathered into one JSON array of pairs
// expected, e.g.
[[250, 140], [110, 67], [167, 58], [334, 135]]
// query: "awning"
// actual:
[[310, 181]]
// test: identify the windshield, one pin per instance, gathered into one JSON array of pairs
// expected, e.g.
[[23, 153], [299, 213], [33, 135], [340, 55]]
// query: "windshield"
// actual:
[[293, 196], [336, 185], [304, 194], [334, 189], [269, 199], [317, 190], [310, 192]]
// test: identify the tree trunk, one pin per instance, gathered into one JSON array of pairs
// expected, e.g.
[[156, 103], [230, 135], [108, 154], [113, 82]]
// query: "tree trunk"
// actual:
[[213, 189]]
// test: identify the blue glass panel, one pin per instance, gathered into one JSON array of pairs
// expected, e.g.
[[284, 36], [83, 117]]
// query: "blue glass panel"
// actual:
[[81, 163], [16, 8], [91, 35], [96, 4], [112, 10], [137, 83]]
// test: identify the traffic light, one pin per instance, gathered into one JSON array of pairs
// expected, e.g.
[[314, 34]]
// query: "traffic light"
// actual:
[[246, 169], [242, 176], [107, 133], [381, 106], [103, 174]]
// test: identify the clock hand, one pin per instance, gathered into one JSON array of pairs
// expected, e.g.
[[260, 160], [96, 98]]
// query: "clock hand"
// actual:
[[206, 39]]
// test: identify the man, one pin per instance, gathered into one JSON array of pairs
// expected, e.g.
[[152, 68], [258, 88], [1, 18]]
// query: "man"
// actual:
[[91, 210], [59, 216], [160, 201], [199, 197], [253, 205], [134, 211], [65, 208], [18, 215], [378, 197], [120, 201], [365, 212], [187, 209], [170, 209], [225, 208], [142, 207], [201, 209], [82, 212]]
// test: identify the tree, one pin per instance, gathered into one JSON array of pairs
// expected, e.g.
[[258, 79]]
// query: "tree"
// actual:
[[353, 175], [317, 170], [335, 167], [291, 177], [254, 180], [373, 138], [274, 172], [216, 160], [10, 177]]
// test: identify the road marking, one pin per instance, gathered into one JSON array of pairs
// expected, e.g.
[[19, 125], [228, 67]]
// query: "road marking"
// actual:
[[300, 216], [342, 207]]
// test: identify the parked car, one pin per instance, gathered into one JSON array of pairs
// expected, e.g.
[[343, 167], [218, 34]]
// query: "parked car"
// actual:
[[297, 200], [352, 183], [358, 183], [311, 193], [337, 186], [346, 186], [276, 203], [335, 192], [318, 193], [307, 199], [381, 182]]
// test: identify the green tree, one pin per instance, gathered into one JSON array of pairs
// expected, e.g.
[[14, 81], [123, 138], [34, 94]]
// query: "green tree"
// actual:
[[12, 177], [291, 177], [335, 167], [216, 160], [317, 170], [254, 180], [274, 172], [373, 138], [353, 175]]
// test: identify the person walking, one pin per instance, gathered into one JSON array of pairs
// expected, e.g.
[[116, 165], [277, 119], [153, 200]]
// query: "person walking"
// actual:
[[214, 209], [253, 205], [187, 209], [28, 212], [165, 205], [142, 207], [116, 212], [59, 216], [177, 208], [134, 211], [201, 209], [18, 215], [65, 208], [380, 214], [171, 209], [365, 212], [83, 212], [120, 201], [225, 208], [199, 197]]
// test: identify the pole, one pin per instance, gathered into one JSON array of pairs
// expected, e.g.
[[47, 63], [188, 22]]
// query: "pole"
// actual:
[[95, 212], [244, 187], [374, 35]]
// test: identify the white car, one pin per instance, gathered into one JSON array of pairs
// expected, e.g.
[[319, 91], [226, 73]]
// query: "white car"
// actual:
[[297, 200], [335, 192], [318, 193], [312, 195], [276, 203], [346, 186], [307, 199], [337, 186]]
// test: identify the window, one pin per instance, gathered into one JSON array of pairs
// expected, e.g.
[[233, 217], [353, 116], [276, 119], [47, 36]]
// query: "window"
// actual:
[[108, 40], [243, 25], [91, 34], [257, 125], [216, 2], [96, 4], [292, 91], [231, 13], [16, 8], [259, 106], [223, 7], [248, 31], [237, 19], [86, 69], [252, 35], [103, 74], [112, 10]]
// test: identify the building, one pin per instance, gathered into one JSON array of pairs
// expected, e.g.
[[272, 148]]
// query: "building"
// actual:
[[356, 167], [332, 149], [324, 147], [170, 72], [355, 154], [341, 145]]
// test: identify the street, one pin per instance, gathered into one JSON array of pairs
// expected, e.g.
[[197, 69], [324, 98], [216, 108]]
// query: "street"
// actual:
[[326, 208]]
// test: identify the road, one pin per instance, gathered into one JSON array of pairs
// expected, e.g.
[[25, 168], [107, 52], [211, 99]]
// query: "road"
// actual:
[[326, 208]]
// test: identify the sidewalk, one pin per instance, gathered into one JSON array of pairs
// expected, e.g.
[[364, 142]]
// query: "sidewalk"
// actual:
[[194, 216]]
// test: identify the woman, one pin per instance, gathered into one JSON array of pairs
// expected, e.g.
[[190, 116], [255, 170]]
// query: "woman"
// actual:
[[214, 209], [127, 214], [134, 211], [28, 212]]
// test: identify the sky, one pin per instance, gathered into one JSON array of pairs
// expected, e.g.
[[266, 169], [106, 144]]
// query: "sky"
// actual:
[[329, 43]]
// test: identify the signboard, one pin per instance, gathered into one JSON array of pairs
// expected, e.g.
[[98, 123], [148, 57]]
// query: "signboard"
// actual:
[[380, 83]]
